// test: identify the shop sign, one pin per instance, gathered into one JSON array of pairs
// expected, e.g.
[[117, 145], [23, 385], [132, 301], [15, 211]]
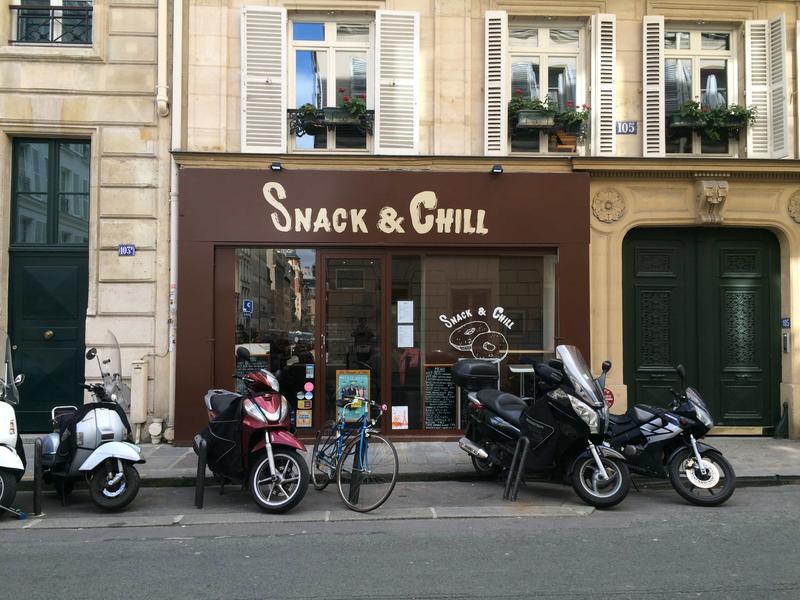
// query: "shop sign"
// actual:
[[247, 307], [422, 215], [474, 332]]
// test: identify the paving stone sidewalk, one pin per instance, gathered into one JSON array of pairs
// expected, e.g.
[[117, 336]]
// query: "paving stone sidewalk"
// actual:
[[751, 457]]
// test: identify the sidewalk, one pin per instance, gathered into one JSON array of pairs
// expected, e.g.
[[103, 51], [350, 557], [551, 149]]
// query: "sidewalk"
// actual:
[[754, 458]]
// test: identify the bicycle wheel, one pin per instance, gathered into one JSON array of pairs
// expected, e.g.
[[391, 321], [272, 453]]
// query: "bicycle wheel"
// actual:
[[323, 457], [367, 472]]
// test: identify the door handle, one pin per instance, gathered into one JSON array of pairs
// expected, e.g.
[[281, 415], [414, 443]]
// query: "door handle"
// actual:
[[48, 335], [14, 347]]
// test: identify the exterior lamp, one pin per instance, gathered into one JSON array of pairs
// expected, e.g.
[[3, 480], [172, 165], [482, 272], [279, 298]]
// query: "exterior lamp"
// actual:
[[497, 169], [276, 166]]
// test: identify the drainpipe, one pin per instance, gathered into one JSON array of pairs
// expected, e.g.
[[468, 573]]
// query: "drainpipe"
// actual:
[[177, 98], [162, 100]]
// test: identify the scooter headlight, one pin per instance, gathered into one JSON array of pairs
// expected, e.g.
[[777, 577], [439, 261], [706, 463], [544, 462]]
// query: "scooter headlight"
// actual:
[[587, 414], [252, 409]]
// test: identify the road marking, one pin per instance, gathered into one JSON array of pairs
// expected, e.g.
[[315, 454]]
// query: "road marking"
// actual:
[[433, 510], [32, 523], [177, 519], [327, 516]]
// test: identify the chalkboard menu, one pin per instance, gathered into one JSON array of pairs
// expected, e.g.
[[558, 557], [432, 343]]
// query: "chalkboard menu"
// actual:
[[440, 398], [244, 367]]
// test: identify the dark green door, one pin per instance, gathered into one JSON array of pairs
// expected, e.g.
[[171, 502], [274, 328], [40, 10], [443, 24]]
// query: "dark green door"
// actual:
[[709, 299], [48, 275]]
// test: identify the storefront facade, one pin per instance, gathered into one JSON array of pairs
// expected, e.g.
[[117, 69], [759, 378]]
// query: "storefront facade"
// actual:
[[375, 282]]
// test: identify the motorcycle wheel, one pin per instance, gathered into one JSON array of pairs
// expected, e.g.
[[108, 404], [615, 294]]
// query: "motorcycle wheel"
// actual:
[[597, 492], [278, 493], [485, 468], [113, 496], [711, 489], [8, 489]]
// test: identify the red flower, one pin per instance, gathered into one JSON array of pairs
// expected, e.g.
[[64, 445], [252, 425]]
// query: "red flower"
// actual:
[[704, 109], [570, 104], [518, 91], [362, 96], [346, 98], [341, 90]]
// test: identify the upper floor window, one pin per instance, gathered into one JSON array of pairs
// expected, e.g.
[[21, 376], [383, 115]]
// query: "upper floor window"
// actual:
[[52, 22], [547, 64], [699, 66], [331, 72]]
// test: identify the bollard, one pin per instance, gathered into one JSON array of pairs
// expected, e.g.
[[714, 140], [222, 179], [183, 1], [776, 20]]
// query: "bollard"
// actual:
[[200, 482], [37, 477]]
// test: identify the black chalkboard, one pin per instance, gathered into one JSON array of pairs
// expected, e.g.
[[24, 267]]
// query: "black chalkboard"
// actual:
[[244, 367], [440, 398]]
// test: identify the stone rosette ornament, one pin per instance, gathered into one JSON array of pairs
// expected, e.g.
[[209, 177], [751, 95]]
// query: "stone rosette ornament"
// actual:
[[794, 207], [608, 206]]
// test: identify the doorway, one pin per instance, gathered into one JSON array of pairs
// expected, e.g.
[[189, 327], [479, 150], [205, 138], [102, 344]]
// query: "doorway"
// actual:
[[708, 299]]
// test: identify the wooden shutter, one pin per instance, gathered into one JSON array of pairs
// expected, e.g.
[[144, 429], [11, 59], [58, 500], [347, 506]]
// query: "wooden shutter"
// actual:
[[604, 52], [263, 79], [757, 87], [653, 86], [778, 85], [397, 74], [495, 129]]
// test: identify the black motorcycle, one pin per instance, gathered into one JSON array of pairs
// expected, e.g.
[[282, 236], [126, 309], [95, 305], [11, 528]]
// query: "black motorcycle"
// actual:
[[663, 443], [558, 434]]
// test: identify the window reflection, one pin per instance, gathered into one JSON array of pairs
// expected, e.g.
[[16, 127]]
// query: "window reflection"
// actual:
[[311, 81], [678, 90]]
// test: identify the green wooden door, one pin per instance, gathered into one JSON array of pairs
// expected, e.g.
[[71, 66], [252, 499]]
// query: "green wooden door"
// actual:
[[709, 299]]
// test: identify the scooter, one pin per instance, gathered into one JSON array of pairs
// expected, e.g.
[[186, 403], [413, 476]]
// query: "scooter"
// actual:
[[89, 442], [557, 434], [248, 440], [664, 443], [12, 452]]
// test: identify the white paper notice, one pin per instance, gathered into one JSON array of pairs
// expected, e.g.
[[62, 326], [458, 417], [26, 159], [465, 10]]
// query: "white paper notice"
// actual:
[[399, 417], [405, 336], [405, 311]]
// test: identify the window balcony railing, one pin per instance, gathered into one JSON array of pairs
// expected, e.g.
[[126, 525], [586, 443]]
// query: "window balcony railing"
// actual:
[[48, 24]]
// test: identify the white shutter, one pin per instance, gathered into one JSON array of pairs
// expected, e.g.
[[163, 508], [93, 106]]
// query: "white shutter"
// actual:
[[495, 127], [604, 52], [397, 75], [778, 85], [653, 86], [263, 79], [756, 36]]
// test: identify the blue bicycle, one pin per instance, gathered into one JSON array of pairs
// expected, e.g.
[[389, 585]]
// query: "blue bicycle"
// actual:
[[363, 463]]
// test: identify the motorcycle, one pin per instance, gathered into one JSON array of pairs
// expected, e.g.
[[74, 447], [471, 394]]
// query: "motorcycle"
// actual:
[[663, 443], [89, 442], [12, 452], [248, 440], [558, 433]]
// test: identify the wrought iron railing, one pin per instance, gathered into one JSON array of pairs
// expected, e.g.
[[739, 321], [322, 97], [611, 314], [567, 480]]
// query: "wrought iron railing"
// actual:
[[49, 24]]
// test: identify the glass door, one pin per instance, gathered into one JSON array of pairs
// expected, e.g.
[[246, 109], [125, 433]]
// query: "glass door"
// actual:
[[351, 328]]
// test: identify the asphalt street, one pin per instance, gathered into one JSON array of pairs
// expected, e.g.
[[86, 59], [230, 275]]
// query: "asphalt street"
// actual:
[[652, 546]]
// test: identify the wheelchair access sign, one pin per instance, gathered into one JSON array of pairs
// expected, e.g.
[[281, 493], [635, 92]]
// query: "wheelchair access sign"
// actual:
[[247, 307]]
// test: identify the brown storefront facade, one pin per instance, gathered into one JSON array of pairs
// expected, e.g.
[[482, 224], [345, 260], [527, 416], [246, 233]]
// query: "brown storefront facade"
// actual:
[[375, 282]]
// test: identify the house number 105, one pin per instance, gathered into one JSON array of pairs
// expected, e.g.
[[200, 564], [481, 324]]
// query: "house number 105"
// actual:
[[626, 127]]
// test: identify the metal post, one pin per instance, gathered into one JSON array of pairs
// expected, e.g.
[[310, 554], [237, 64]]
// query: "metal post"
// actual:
[[37, 477], [200, 482]]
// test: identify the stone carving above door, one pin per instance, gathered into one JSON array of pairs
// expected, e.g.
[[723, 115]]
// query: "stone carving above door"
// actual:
[[794, 207], [608, 205], [711, 196]]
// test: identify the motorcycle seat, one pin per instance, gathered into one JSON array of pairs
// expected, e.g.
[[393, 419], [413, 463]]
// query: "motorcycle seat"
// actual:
[[642, 413], [219, 400], [507, 406]]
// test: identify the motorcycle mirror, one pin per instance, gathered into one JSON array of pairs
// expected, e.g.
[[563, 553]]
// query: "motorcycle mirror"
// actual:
[[91, 353], [243, 353], [606, 366], [19, 379], [681, 373]]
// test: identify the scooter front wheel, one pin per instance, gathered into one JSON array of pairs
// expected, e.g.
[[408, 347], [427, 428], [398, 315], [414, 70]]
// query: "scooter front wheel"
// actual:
[[110, 489], [282, 490], [592, 488], [8, 489], [711, 488]]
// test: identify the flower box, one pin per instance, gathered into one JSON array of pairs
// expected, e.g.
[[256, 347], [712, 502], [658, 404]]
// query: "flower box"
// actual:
[[681, 122], [535, 119], [340, 116]]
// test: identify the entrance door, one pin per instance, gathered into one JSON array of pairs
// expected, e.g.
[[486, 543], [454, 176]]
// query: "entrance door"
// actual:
[[351, 327], [709, 299]]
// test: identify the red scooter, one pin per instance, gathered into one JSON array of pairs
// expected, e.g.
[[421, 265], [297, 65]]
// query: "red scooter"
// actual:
[[249, 441]]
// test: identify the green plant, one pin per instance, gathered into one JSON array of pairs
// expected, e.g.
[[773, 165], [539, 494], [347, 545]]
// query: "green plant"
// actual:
[[307, 110], [355, 105], [712, 122], [573, 115], [519, 102]]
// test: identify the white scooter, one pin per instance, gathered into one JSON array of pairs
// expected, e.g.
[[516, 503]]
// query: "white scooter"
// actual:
[[12, 453], [89, 442]]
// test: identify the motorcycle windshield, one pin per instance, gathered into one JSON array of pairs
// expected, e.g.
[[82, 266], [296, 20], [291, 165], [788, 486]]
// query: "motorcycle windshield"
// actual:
[[579, 374], [10, 393], [111, 370]]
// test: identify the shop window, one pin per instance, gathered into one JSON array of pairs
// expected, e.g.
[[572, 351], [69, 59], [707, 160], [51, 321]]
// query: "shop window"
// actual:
[[52, 22], [50, 189]]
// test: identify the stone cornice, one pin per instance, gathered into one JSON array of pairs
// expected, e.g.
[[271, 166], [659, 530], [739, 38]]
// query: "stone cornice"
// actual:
[[683, 168]]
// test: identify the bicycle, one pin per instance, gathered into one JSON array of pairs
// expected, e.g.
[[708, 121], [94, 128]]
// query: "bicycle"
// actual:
[[363, 462]]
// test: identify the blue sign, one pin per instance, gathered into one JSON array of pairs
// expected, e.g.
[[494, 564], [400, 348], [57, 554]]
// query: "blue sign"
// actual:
[[626, 127], [127, 249], [247, 307], [786, 323]]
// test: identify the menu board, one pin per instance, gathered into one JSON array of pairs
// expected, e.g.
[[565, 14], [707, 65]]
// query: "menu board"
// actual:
[[439, 398], [244, 367]]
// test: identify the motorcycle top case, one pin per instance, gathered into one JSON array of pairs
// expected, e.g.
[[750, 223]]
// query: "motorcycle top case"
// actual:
[[474, 375]]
